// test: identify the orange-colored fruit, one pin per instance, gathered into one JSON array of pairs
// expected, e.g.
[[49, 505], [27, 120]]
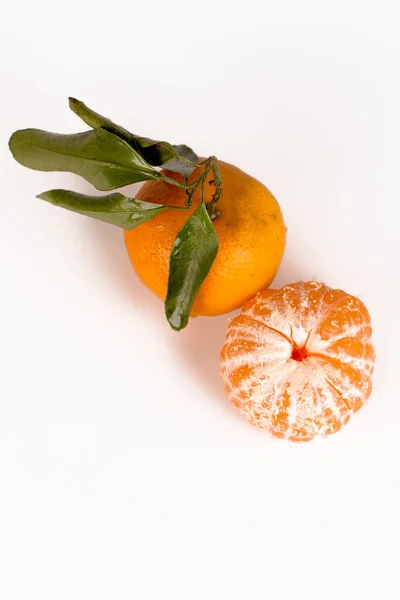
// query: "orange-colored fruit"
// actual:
[[298, 361], [251, 236]]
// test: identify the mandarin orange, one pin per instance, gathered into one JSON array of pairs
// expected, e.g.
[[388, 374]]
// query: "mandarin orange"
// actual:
[[251, 236], [298, 361]]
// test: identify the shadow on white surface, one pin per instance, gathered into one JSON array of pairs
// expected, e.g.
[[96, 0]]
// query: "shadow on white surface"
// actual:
[[108, 246], [199, 347]]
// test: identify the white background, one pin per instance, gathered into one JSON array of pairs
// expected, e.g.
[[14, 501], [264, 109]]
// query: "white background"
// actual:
[[124, 472]]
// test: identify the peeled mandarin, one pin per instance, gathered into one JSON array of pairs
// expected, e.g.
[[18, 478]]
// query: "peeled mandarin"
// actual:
[[298, 361]]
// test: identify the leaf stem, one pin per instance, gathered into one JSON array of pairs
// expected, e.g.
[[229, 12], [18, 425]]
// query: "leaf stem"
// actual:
[[218, 183], [202, 190], [189, 162], [185, 186], [190, 194]]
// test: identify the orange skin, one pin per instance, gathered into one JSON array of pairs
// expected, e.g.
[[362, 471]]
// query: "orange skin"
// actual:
[[298, 361], [250, 230]]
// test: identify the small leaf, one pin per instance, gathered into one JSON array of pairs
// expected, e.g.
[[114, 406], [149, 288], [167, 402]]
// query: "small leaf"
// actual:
[[177, 165], [163, 154], [116, 209], [157, 154], [100, 157], [191, 258]]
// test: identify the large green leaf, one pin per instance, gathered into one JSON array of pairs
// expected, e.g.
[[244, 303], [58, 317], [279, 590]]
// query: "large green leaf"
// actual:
[[155, 153], [191, 258], [116, 209], [100, 157]]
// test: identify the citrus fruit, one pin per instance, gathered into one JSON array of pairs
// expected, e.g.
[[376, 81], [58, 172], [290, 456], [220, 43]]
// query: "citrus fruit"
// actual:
[[298, 361], [250, 230], [195, 267]]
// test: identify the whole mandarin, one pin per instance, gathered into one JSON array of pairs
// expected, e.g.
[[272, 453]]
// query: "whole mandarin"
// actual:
[[250, 230]]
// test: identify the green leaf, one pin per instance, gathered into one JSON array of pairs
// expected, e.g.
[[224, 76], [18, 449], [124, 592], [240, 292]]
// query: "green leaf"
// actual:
[[163, 154], [157, 154], [191, 258], [100, 157], [93, 119], [116, 209]]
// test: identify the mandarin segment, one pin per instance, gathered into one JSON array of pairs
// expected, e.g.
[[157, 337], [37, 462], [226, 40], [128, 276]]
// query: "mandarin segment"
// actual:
[[298, 361], [347, 317]]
